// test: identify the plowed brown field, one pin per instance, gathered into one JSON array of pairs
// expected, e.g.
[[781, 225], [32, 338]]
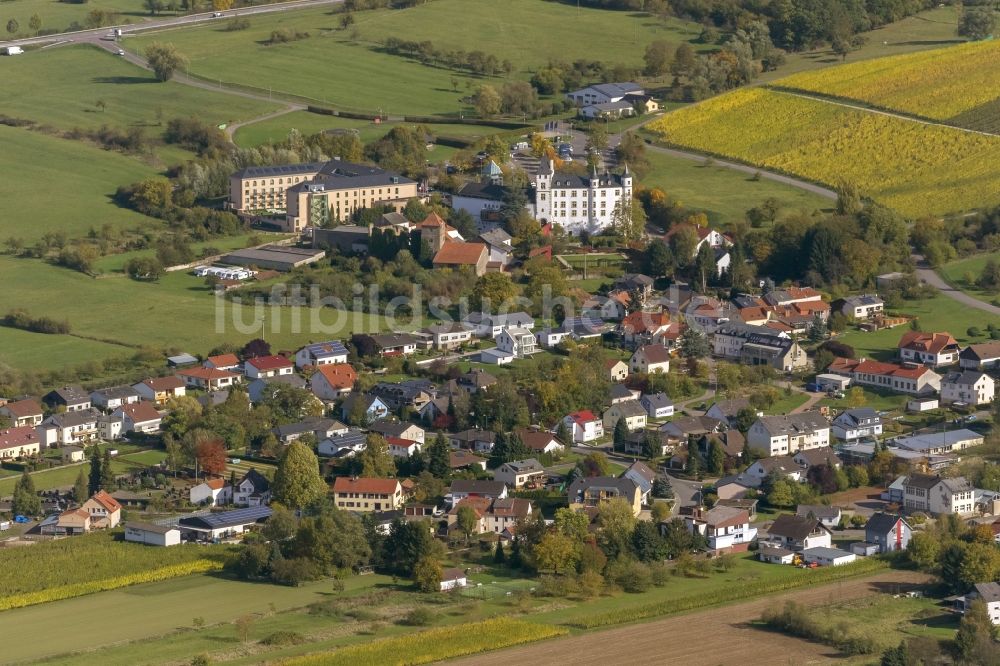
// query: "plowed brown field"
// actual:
[[715, 637]]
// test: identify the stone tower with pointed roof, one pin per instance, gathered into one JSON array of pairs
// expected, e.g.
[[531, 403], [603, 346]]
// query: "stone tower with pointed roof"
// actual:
[[434, 230]]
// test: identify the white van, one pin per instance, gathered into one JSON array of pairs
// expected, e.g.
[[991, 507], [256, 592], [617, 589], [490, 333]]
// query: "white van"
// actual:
[[11, 50]]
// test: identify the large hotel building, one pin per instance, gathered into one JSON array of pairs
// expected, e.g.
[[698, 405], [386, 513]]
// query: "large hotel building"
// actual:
[[317, 193]]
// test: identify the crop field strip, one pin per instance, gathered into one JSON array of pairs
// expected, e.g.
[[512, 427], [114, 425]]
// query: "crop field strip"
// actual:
[[916, 168], [959, 85]]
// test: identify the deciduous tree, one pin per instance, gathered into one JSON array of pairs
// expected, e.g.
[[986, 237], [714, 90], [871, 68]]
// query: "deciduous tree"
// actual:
[[164, 60], [297, 482]]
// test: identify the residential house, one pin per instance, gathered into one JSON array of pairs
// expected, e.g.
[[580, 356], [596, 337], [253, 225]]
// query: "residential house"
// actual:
[[368, 406], [828, 515], [725, 528], [539, 441], [399, 429], [452, 578], [318, 426], [25, 412], [643, 328], [463, 488], [642, 476], [160, 390], [798, 533], [595, 490], [262, 367], [402, 448], [684, 427], [824, 455], [343, 445], [208, 379], [601, 93], [105, 511], [446, 336], [19, 442], [859, 423], [72, 398], [602, 307], [457, 254], [67, 523], [636, 283], [657, 405], [493, 515], [485, 325], [863, 307], [888, 532], [253, 489], [151, 534], [212, 527], [139, 417], [938, 495], [212, 492], [784, 466], [229, 362], [619, 393], [780, 435], [630, 410], [111, 427], [331, 352], [775, 554], [968, 387], [498, 242], [366, 494], [68, 428], [909, 378], [519, 342], [982, 356], [551, 337], [758, 345], [931, 349], [584, 426], [473, 439], [332, 381], [112, 398], [729, 410], [735, 487], [462, 459], [617, 370], [517, 474], [476, 380], [637, 443], [649, 359], [989, 594]]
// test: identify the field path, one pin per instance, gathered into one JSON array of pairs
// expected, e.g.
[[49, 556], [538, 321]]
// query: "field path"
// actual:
[[867, 109], [931, 277], [232, 128], [707, 638]]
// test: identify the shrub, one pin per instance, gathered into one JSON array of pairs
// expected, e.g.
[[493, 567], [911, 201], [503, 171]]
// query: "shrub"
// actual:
[[362, 614], [419, 617], [279, 638], [237, 24]]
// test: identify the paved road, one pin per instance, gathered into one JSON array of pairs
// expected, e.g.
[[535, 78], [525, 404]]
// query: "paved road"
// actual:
[[930, 276], [175, 21]]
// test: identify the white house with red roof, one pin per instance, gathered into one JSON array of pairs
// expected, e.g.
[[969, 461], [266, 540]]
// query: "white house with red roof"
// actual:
[[584, 426], [263, 367], [402, 448], [160, 389], [909, 378], [139, 417], [18, 442], [211, 492], [222, 362], [933, 349], [333, 381], [23, 412], [104, 510], [366, 494], [208, 379]]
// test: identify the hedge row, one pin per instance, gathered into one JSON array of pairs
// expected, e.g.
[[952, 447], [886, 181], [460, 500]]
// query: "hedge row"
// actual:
[[80, 589], [733, 593], [435, 644], [424, 120]]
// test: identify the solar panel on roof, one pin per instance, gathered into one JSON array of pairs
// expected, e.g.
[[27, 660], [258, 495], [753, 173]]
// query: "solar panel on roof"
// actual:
[[243, 516]]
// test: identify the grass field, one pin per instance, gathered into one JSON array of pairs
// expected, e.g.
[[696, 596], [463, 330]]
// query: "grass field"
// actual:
[[956, 272], [77, 76], [935, 314], [377, 80], [915, 168], [178, 311], [722, 193], [29, 350], [33, 205], [59, 15], [939, 84], [58, 477]]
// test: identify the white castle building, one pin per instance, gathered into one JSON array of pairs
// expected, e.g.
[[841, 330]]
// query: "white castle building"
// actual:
[[580, 203]]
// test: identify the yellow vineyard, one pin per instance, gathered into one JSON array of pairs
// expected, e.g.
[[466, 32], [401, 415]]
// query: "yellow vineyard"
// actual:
[[916, 168], [939, 84]]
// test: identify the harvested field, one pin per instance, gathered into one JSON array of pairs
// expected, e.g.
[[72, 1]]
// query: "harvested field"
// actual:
[[651, 642]]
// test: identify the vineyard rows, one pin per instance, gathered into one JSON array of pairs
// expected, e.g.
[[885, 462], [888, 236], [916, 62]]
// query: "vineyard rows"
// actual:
[[916, 168]]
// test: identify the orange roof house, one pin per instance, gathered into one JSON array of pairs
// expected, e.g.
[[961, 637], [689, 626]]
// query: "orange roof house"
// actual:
[[456, 254]]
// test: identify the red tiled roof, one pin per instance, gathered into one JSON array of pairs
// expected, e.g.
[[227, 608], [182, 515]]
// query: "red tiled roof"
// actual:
[[932, 343], [107, 501], [460, 254], [140, 412], [215, 484], [224, 360], [432, 220], [803, 292], [338, 375], [347, 484], [206, 373], [399, 441], [164, 383], [870, 367], [12, 438], [645, 322], [583, 416], [23, 408], [536, 440], [270, 362]]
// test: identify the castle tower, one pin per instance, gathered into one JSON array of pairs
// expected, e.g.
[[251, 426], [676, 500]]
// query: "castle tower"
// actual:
[[434, 231]]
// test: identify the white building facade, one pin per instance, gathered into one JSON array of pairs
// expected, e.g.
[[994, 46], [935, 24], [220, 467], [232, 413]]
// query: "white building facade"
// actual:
[[581, 203]]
